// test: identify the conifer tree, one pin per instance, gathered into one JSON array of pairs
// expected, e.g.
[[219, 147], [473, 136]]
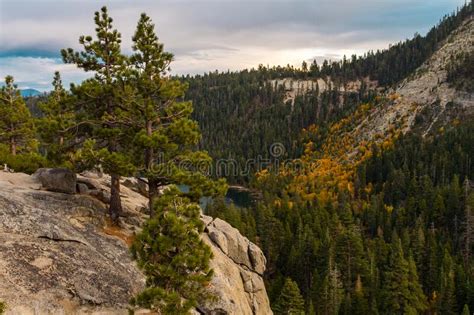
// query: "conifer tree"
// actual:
[[359, 301], [350, 254], [468, 223], [465, 310], [447, 298], [166, 133], [331, 293], [290, 300], [16, 124], [173, 256], [311, 310], [417, 298], [56, 126], [100, 101], [401, 291]]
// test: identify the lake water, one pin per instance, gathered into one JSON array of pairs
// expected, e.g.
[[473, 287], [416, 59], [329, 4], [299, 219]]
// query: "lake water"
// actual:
[[241, 198]]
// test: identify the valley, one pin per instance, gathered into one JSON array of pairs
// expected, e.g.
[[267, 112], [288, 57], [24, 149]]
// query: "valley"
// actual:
[[385, 182], [338, 187]]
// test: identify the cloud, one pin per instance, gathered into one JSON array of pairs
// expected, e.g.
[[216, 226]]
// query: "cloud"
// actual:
[[37, 73], [206, 35]]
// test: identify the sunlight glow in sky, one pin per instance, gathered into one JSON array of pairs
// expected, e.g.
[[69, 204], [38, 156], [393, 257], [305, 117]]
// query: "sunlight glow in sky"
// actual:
[[206, 35]]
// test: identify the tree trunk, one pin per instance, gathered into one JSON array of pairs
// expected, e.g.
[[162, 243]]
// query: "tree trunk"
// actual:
[[12, 146], [115, 207], [152, 183], [152, 194]]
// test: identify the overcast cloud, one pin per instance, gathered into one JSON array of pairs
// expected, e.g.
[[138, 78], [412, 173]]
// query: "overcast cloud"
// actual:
[[206, 35]]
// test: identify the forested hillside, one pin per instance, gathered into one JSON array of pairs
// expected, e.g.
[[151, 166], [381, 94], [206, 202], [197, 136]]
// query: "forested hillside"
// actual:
[[367, 207], [393, 237], [242, 113], [389, 232], [378, 216]]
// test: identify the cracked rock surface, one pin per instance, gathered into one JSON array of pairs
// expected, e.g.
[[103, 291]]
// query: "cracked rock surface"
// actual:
[[238, 265], [55, 257], [58, 256]]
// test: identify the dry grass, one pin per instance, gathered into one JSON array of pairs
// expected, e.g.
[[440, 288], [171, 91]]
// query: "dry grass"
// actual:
[[118, 232]]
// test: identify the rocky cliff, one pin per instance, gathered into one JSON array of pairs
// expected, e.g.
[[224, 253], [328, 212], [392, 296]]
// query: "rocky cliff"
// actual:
[[424, 101], [58, 255]]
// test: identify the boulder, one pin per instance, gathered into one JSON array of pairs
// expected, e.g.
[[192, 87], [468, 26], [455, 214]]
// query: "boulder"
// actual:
[[102, 195], [238, 289], [138, 185], [57, 179], [82, 188], [91, 183]]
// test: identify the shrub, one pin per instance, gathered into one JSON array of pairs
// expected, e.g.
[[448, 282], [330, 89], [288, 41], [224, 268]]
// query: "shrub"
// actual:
[[24, 162]]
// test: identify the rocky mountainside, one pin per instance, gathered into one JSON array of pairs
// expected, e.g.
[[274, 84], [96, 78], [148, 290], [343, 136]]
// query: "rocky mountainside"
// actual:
[[29, 92], [58, 255], [294, 88], [424, 101]]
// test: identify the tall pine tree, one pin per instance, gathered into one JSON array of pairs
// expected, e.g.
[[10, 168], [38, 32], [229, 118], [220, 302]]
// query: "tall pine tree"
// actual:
[[401, 293], [290, 300], [57, 126], [100, 100], [16, 124], [165, 132]]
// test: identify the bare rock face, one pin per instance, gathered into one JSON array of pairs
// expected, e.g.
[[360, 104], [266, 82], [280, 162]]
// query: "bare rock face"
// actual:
[[425, 101], [138, 185], [59, 256], [238, 265], [235, 246], [57, 179], [56, 256]]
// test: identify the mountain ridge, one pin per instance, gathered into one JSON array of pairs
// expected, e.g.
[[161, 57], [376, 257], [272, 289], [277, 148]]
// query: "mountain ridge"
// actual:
[[29, 92]]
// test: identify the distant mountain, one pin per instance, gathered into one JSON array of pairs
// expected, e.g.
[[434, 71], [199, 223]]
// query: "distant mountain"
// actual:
[[29, 92]]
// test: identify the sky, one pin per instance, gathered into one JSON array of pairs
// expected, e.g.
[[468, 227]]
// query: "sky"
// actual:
[[209, 35]]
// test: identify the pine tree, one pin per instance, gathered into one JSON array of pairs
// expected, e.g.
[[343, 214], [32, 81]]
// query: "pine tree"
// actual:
[[418, 246], [16, 124], [311, 310], [447, 299], [359, 301], [290, 300], [166, 133], [103, 103], [417, 299], [401, 291], [56, 125], [173, 257], [331, 293], [465, 310], [468, 223], [350, 254], [431, 265]]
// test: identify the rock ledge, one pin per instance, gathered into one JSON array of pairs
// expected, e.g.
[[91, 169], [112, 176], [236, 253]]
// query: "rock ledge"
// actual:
[[59, 256]]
